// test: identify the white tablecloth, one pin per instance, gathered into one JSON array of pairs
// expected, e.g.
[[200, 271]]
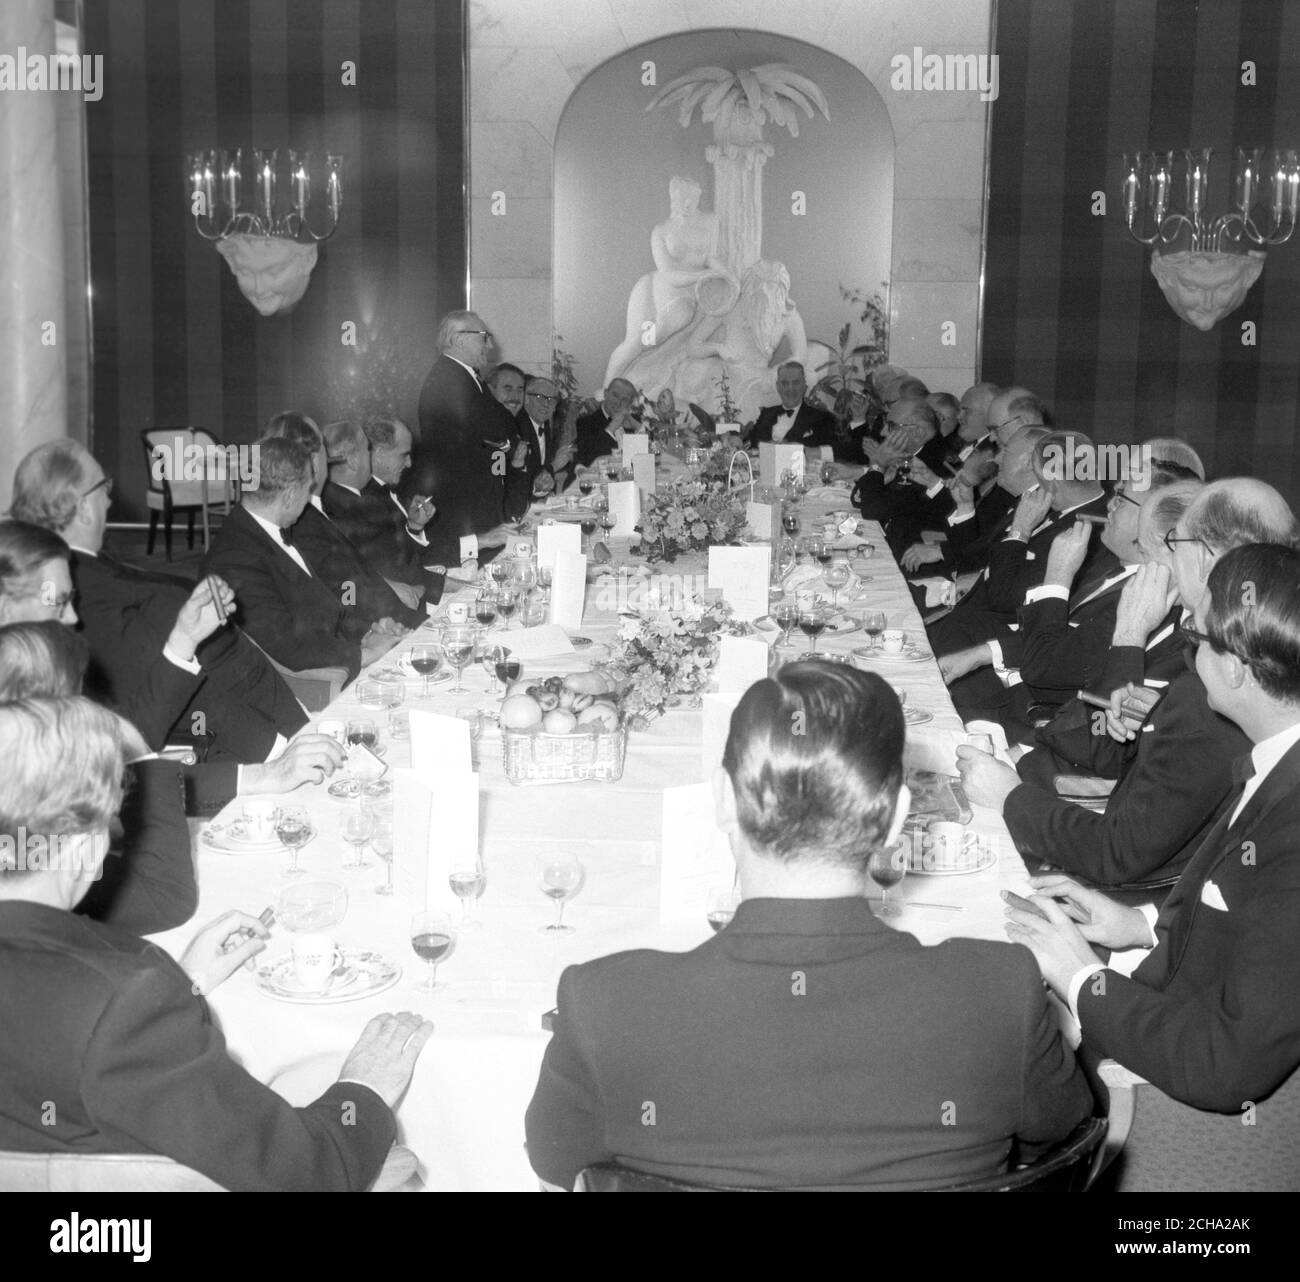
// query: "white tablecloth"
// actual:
[[464, 1112]]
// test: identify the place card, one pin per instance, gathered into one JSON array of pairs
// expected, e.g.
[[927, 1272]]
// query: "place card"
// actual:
[[775, 458], [696, 855], [741, 662], [716, 710], [743, 574], [634, 444], [412, 822], [541, 642], [643, 472], [624, 507], [556, 536], [424, 853], [764, 519], [439, 744], [568, 592]]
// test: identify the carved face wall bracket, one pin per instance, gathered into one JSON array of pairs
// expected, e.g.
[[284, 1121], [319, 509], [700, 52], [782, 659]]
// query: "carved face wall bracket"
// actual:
[[272, 271], [1203, 288]]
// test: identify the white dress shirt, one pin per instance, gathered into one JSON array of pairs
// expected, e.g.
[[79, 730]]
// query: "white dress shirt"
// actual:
[[784, 422]]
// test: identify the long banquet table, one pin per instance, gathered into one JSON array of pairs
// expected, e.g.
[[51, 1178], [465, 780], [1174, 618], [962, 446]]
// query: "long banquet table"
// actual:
[[464, 1112]]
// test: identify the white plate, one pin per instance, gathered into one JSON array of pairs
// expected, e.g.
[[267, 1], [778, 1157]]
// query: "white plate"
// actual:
[[913, 654], [362, 974], [841, 625], [230, 838]]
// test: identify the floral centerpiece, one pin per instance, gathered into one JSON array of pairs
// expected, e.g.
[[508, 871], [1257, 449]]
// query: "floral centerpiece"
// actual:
[[667, 656], [690, 516]]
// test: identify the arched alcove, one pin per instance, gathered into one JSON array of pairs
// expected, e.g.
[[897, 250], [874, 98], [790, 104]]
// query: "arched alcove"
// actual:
[[827, 195]]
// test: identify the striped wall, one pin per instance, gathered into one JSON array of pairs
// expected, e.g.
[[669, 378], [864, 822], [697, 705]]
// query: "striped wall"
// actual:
[[175, 340], [1071, 308]]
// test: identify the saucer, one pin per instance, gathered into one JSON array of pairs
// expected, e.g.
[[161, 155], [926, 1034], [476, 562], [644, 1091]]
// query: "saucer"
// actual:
[[362, 974], [231, 838], [909, 654]]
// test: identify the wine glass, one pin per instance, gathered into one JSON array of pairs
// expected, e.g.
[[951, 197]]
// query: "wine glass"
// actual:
[[294, 830], [588, 527], [467, 882], [523, 575], [381, 842], [837, 576], [507, 603], [822, 551], [485, 606], [607, 522], [362, 730], [357, 827], [887, 867], [488, 656], [790, 522], [434, 939], [585, 485], [724, 899], [426, 659], [507, 670], [560, 877], [787, 615], [811, 623], [458, 646], [311, 906], [873, 624]]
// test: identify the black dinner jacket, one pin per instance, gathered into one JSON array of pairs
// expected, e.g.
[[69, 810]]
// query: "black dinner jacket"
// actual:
[[298, 619], [593, 440], [127, 615], [114, 1038], [798, 1048], [538, 459], [1168, 796], [970, 542], [337, 560], [812, 426], [462, 459], [1210, 1016]]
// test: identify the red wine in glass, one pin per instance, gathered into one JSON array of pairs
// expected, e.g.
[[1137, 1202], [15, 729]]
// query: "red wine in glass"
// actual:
[[790, 523], [430, 947], [509, 671], [585, 486], [719, 918], [812, 624], [508, 605], [485, 614], [365, 737]]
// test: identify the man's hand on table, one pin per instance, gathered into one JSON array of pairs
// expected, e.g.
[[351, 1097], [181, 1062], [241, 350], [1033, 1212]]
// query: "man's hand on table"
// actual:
[[221, 948], [1077, 918], [920, 554], [498, 536], [385, 1054], [987, 781], [961, 662], [378, 641], [310, 758]]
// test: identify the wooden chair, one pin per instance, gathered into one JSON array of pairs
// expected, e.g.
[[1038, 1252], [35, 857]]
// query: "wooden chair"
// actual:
[[1065, 1168], [172, 456], [1157, 1145]]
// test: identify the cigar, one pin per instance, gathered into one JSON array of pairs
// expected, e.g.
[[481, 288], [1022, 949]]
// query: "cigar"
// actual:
[[1096, 701], [953, 469], [267, 917], [1092, 519], [216, 602]]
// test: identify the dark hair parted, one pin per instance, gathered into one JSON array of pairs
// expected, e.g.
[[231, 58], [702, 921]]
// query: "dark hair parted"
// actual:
[[1254, 613], [815, 756]]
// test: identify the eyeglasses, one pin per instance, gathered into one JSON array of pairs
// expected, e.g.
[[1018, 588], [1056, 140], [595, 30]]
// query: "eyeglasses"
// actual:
[[1196, 639], [1119, 494], [541, 396], [1170, 540], [104, 483], [482, 333], [1009, 422]]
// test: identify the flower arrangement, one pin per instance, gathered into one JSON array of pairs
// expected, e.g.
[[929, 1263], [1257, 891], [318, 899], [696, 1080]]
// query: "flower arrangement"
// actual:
[[690, 516], [667, 656]]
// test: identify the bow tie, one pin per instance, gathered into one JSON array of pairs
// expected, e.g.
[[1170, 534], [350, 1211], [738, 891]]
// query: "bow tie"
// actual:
[[788, 413], [286, 536], [1243, 769]]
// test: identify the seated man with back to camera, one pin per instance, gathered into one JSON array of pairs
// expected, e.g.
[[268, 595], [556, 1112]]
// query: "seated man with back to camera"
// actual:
[[807, 1044]]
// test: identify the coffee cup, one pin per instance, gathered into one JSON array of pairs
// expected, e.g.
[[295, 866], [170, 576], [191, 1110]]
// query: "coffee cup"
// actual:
[[892, 641], [946, 846], [315, 958], [259, 818], [457, 612]]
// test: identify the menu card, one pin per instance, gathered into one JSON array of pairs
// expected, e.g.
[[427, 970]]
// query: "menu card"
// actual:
[[568, 590], [773, 459], [541, 642], [717, 710], [439, 745], [743, 574], [634, 444], [764, 519], [741, 662], [696, 856], [556, 536], [643, 472], [424, 853], [624, 507]]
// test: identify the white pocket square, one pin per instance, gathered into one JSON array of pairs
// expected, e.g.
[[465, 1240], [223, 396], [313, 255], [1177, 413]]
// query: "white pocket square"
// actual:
[[1212, 897]]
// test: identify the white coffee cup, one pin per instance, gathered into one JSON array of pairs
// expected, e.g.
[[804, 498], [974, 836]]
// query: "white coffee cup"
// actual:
[[946, 842], [315, 959], [457, 612], [259, 818], [892, 641]]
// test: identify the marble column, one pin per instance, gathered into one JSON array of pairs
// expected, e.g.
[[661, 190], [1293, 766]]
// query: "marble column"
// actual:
[[33, 364]]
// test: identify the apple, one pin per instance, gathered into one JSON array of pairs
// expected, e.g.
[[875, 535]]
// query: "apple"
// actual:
[[520, 712], [599, 716], [558, 721], [547, 701]]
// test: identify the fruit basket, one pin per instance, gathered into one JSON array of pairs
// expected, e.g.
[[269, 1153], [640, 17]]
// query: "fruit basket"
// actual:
[[534, 756]]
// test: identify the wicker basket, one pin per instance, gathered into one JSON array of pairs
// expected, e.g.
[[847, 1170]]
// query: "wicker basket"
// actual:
[[532, 756]]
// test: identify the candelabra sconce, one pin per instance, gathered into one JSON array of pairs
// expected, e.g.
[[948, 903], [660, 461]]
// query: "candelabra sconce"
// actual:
[[270, 250], [1205, 267]]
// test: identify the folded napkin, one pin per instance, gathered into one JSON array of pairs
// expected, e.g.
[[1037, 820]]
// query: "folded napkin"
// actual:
[[828, 491], [937, 591]]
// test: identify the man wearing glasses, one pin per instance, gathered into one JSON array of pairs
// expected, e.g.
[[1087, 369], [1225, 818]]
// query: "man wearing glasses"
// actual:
[[1178, 781], [1210, 1015], [539, 435], [462, 460]]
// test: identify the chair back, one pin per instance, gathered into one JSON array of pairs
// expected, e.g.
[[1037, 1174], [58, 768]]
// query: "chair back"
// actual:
[[1064, 1168], [190, 465], [99, 1173], [314, 688]]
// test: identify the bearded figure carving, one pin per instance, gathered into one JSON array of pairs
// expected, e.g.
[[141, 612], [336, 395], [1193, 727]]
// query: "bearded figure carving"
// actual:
[[1203, 288]]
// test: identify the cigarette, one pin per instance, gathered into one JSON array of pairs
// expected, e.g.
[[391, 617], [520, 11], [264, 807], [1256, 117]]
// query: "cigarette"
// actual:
[[267, 917], [1092, 519], [216, 601], [1096, 701], [953, 469]]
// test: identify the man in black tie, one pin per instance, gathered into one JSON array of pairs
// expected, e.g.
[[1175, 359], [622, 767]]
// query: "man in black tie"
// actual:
[[1210, 1017], [538, 433], [298, 619], [601, 432], [794, 421], [1175, 785]]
